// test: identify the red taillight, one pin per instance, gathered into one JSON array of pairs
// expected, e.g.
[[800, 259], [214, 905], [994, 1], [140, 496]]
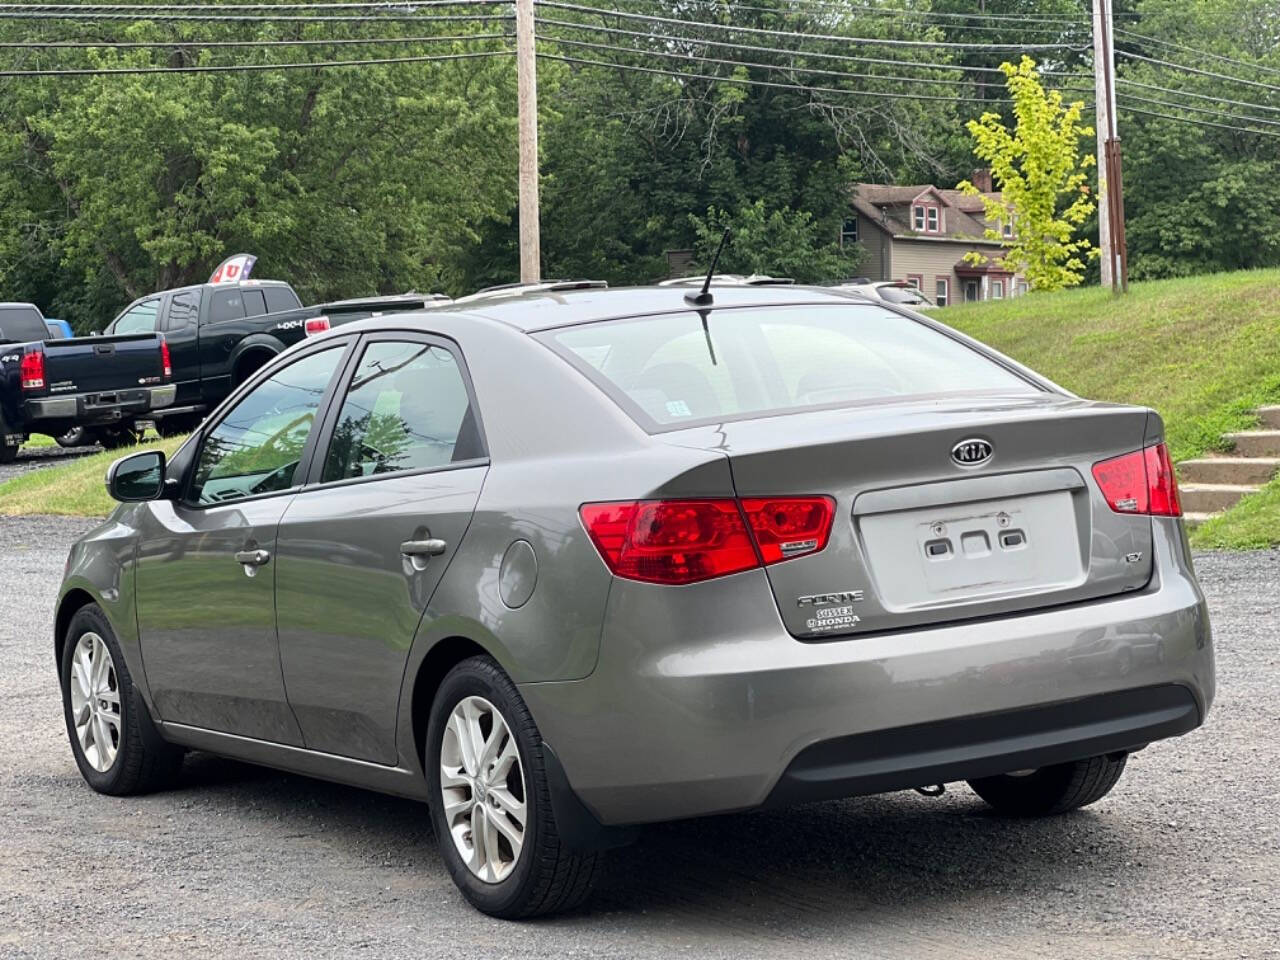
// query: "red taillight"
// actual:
[[31, 370], [685, 541], [1140, 482], [315, 325], [166, 363], [786, 527]]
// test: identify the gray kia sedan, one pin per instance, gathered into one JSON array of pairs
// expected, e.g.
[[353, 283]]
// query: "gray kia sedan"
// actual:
[[562, 562]]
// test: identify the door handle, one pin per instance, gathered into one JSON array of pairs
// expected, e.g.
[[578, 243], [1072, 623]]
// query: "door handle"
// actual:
[[253, 558], [423, 548]]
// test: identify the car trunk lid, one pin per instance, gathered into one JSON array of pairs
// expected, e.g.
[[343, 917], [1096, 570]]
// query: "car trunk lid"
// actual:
[[919, 538]]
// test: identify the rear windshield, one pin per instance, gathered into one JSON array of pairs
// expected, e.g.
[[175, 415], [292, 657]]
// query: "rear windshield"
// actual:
[[667, 371], [22, 324]]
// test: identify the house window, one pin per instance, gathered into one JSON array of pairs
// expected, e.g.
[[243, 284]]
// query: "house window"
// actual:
[[849, 231], [942, 291], [932, 213], [1022, 287], [1006, 228], [997, 289], [915, 280], [917, 215]]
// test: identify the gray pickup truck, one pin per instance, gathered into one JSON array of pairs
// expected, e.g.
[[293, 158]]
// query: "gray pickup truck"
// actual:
[[100, 383]]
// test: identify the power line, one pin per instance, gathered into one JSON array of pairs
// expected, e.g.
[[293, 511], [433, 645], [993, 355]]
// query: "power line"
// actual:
[[252, 67], [1198, 52], [672, 55], [741, 81], [407, 6], [1196, 70], [1193, 109], [1200, 123], [245, 17], [1124, 81], [200, 44], [893, 42]]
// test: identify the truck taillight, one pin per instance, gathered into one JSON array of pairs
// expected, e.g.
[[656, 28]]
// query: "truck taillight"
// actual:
[[31, 369], [1140, 482], [685, 541], [315, 325], [166, 363]]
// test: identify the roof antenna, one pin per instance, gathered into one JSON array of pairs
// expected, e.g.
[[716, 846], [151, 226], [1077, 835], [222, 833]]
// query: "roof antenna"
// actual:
[[703, 297]]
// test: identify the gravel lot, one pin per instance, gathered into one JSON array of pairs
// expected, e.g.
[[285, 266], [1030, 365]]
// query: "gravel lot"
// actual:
[[1182, 860]]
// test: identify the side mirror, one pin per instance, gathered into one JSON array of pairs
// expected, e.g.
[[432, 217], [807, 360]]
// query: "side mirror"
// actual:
[[137, 477]]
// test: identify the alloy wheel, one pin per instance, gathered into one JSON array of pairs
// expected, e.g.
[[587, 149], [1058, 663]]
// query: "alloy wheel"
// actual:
[[483, 789], [95, 702]]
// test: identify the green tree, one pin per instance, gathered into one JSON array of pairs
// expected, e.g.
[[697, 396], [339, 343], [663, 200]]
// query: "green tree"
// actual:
[[1043, 177], [780, 242]]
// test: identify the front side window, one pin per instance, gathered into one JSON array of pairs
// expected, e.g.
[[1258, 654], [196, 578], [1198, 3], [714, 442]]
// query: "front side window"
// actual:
[[226, 305], [771, 360], [407, 408], [257, 447], [140, 318]]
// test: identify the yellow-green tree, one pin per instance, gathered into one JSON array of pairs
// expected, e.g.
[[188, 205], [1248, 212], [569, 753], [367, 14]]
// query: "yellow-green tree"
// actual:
[[1043, 177]]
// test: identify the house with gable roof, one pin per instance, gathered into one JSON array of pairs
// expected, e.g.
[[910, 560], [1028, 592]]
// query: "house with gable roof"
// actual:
[[921, 234]]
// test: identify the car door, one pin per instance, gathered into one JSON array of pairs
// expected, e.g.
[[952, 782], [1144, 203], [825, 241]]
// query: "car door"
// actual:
[[205, 561], [222, 329], [361, 550]]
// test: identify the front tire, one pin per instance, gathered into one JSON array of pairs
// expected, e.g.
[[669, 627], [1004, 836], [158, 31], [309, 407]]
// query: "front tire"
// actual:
[[490, 801], [114, 742], [1052, 790]]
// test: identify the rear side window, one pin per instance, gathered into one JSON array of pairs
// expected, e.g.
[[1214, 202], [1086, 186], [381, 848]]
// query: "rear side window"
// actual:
[[22, 324], [226, 305], [407, 408], [255, 304], [184, 309], [281, 298], [670, 371], [140, 318]]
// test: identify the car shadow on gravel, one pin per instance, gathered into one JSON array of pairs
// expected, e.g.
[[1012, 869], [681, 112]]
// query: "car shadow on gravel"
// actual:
[[825, 863]]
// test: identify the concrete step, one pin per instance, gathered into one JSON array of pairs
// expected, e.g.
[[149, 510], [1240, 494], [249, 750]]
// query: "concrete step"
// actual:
[[1212, 497], [1270, 417], [1228, 470], [1255, 443]]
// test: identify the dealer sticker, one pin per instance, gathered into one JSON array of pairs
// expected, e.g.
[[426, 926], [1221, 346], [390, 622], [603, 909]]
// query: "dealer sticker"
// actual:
[[832, 620]]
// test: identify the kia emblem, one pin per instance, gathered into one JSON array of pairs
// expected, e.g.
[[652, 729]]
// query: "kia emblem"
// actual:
[[972, 452]]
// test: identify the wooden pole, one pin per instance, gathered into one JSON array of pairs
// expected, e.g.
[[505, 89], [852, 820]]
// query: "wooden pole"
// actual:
[[527, 97], [1102, 103]]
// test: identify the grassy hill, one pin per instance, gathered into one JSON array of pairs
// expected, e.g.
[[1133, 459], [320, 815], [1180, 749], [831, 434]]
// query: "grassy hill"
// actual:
[[1203, 351]]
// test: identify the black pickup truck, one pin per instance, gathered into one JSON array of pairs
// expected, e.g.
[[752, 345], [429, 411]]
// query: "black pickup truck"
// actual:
[[100, 383], [220, 333]]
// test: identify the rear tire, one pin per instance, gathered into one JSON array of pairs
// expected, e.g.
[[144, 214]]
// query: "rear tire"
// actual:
[[116, 437], [178, 425], [75, 437], [118, 752], [1052, 790], [545, 876]]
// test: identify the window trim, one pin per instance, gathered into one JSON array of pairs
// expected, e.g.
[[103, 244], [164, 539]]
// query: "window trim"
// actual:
[[916, 280], [848, 236], [994, 282], [918, 218], [315, 469], [305, 461], [933, 213], [945, 299]]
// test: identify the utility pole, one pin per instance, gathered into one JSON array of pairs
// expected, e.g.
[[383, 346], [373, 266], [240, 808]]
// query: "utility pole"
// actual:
[[1111, 240], [527, 98]]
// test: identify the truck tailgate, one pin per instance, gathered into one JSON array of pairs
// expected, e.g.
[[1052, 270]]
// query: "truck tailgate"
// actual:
[[103, 364]]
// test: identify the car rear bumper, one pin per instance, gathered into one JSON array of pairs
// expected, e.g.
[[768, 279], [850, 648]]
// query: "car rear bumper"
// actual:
[[701, 702], [99, 408]]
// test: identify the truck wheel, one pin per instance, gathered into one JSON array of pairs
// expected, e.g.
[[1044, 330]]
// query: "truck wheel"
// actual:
[[75, 437], [1050, 790], [114, 741], [8, 454], [177, 426], [116, 437], [491, 803]]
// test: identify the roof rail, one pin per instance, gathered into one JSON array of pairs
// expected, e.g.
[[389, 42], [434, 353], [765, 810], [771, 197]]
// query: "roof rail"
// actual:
[[545, 286], [728, 280]]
